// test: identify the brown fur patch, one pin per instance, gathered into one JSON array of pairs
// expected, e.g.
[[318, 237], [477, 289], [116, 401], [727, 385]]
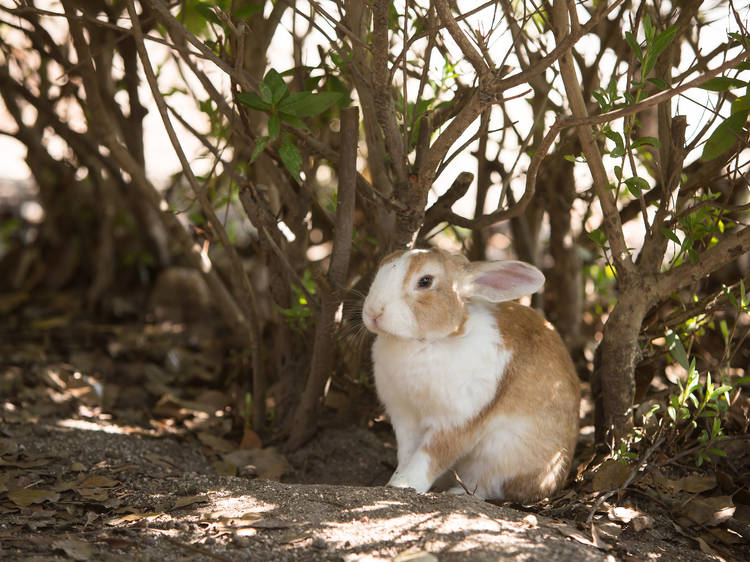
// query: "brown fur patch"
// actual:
[[438, 307], [539, 383]]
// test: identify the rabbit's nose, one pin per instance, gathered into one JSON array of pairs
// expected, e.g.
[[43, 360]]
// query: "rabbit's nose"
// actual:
[[371, 315]]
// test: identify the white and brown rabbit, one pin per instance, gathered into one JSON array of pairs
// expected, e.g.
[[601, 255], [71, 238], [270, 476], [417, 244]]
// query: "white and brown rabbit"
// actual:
[[471, 382]]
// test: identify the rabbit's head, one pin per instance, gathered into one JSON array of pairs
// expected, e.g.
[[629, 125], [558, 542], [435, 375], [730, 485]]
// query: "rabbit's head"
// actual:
[[422, 294]]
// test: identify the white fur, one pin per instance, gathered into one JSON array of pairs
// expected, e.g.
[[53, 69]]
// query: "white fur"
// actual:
[[434, 385], [384, 301]]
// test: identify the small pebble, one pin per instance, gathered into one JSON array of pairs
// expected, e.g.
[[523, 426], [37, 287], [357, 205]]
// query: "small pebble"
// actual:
[[319, 543]]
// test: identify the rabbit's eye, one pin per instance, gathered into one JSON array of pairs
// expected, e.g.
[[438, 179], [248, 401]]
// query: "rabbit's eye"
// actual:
[[425, 282]]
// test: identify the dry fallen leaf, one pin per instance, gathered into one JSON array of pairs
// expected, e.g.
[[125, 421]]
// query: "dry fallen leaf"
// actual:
[[131, 517], [608, 530], [575, 534], [98, 481], [189, 500], [267, 463], [705, 548], [160, 460], [216, 443], [95, 494], [271, 524], [27, 497], [225, 468], [596, 536], [415, 556], [709, 511], [622, 513], [696, 484], [610, 475], [250, 440], [723, 535], [76, 549], [28, 463]]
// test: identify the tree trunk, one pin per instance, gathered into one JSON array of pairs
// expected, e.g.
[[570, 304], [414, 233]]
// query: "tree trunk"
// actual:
[[613, 383]]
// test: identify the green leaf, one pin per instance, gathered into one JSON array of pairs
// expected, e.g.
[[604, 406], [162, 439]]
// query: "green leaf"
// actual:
[[253, 101], [740, 38], [741, 104], [292, 120], [277, 85], [307, 104], [630, 38], [648, 28], [204, 9], [192, 18], [615, 137], [721, 390], [678, 352], [597, 236], [662, 41], [274, 126], [618, 172], [260, 146], [636, 185], [659, 83], [291, 158], [650, 141], [265, 92], [722, 84], [246, 12], [670, 235], [603, 103], [724, 136]]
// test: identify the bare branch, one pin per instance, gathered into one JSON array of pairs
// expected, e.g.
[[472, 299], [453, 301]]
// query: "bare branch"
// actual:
[[384, 107], [611, 223], [322, 357], [729, 248], [469, 52]]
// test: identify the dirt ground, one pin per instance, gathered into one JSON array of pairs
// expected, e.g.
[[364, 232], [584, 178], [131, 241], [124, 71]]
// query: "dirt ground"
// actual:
[[104, 495], [116, 444]]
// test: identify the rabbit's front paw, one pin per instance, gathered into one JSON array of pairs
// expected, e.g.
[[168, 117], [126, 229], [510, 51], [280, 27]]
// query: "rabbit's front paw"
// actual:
[[413, 475], [399, 480]]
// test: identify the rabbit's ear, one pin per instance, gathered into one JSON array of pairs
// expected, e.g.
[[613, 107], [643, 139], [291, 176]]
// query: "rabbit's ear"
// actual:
[[501, 280]]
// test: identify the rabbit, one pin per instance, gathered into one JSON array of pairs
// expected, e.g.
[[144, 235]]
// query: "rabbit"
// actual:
[[471, 381]]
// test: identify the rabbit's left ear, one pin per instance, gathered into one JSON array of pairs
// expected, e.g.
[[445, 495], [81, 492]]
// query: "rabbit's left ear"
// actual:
[[501, 280]]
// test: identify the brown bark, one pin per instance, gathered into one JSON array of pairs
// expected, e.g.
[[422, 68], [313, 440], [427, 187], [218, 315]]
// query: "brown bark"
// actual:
[[304, 424], [613, 383]]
